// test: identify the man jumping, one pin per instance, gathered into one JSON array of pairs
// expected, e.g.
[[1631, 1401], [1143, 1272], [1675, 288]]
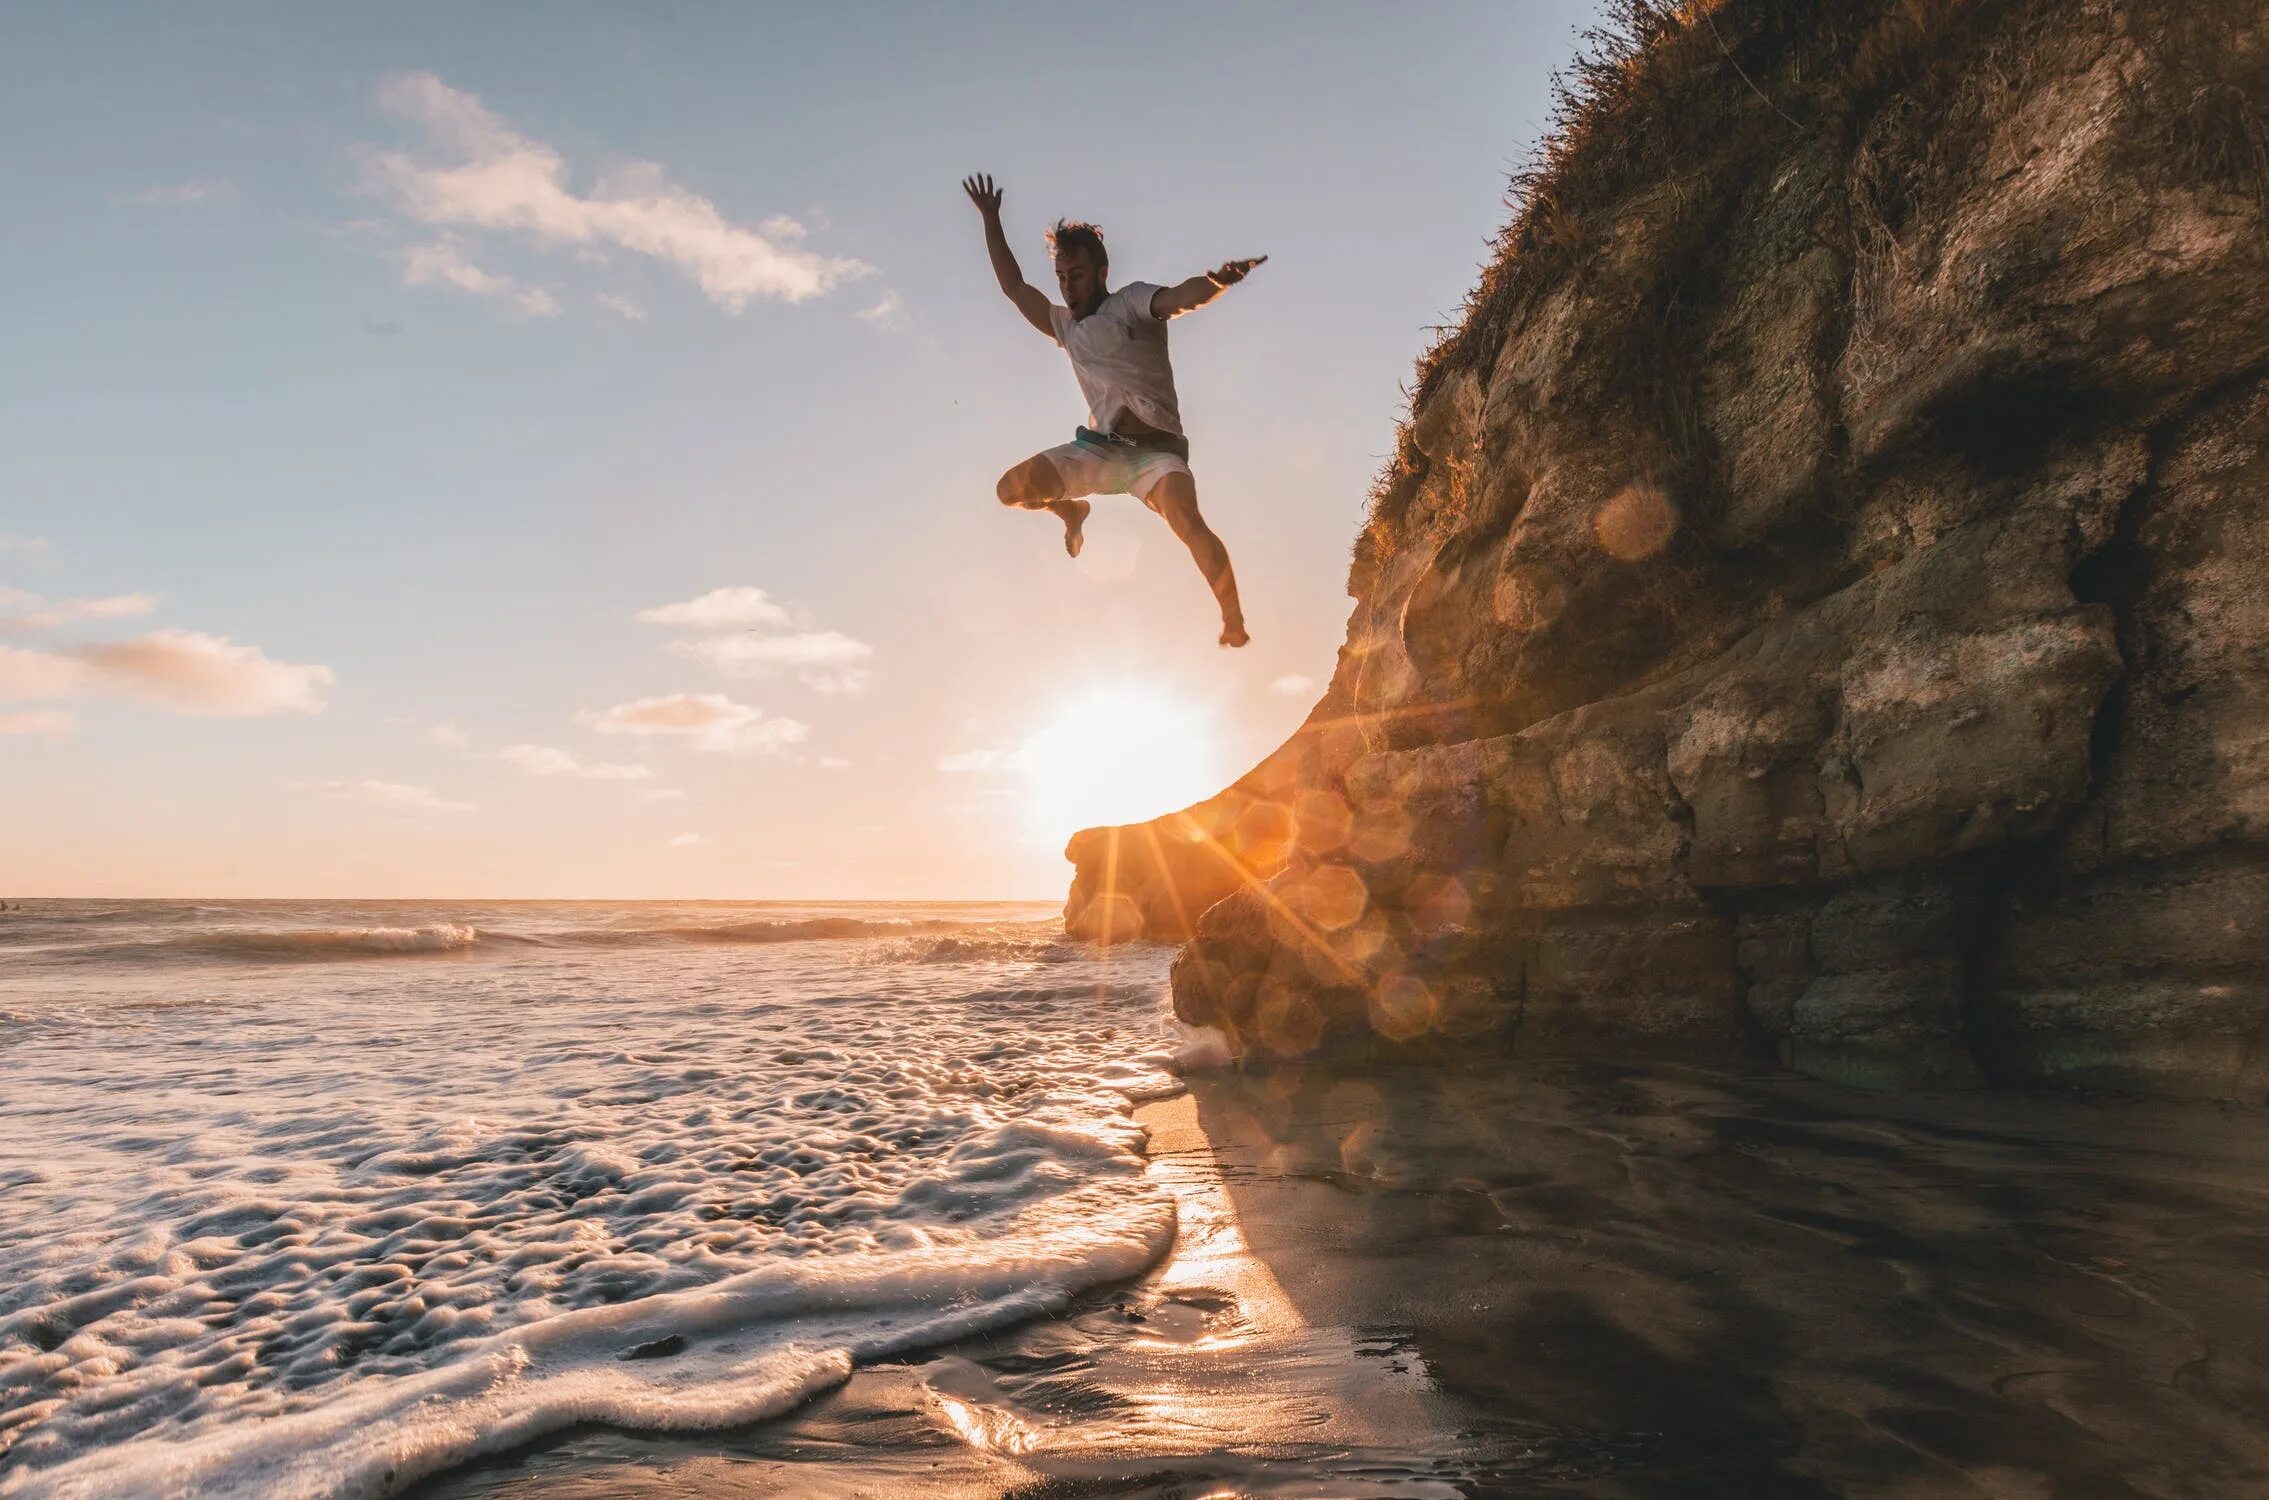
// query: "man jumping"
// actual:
[[1117, 344]]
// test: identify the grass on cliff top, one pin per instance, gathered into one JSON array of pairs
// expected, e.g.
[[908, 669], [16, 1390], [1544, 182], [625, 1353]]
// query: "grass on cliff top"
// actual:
[[1655, 84], [1662, 86]]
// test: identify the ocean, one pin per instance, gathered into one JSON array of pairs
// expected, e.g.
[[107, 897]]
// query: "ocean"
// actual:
[[316, 1198]]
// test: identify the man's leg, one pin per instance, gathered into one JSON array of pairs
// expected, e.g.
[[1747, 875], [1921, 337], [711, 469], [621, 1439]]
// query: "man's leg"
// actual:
[[1176, 498], [1036, 484]]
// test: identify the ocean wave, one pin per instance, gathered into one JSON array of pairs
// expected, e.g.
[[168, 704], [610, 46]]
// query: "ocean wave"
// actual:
[[321, 944], [778, 930], [622, 1206]]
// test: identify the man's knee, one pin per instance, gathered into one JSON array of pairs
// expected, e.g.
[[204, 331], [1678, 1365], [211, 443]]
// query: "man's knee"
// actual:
[[1176, 499], [1033, 482]]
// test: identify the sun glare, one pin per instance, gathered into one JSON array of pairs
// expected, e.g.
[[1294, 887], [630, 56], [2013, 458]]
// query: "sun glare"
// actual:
[[1118, 754]]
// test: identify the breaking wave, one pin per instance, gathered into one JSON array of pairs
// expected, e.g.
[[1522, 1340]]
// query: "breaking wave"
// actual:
[[358, 1225], [321, 944]]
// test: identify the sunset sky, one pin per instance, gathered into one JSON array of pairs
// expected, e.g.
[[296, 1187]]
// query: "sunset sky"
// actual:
[[550, 452]]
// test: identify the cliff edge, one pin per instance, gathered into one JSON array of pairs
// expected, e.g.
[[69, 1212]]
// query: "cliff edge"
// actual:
[[1819, 608]]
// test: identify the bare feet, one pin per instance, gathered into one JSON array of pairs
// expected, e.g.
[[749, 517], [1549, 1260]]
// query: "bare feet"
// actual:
[[1074, 515], [1233, 633]]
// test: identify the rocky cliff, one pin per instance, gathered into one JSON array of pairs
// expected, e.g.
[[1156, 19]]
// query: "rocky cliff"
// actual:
[[1820, 606]]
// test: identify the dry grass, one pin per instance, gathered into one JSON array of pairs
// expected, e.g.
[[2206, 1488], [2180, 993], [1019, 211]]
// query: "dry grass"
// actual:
[[2199, 109], [1680, 92]]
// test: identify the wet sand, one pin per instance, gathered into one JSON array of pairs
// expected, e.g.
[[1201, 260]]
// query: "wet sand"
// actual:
[[1590, 1280]]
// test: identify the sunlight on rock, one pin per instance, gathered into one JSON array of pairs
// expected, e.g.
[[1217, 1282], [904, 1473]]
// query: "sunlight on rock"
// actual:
[[1380, 835], [1288, 1022], [1333, 896], [1112, 917], [1437, 903], [1528, 596], [1369, 944], [1401, 1007], [1636, 524], [1263, 834], [1323, 820]]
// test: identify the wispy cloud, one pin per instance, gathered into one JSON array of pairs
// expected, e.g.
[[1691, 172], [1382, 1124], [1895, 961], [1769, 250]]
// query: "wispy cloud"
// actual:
[[740, 607], [185, 670], [687, 841], [883, 312], [622, 307], [53, 722], [1293, 685], [29, 546], [447, 736], [389, 794], [704, 721], [23, 611], [826, 660], [542, 760], [197, 190], [480, 173], [442, 263]]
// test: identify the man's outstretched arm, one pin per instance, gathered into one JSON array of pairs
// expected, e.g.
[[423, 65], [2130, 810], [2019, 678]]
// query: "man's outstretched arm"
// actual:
[[1029, 299], [1190, 295]]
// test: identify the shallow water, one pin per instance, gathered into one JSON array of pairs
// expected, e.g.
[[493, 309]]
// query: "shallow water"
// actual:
[[315, 1198], [1590, 1280]]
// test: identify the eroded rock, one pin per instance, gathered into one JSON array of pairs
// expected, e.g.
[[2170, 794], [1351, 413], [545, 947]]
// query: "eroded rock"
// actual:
[[1824, 614]]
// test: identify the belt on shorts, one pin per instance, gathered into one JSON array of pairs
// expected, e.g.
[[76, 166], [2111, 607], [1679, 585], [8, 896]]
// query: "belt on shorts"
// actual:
[[1148, 442]]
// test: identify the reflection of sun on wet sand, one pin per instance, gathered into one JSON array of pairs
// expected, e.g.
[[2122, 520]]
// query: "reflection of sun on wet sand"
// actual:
[[1597, 1280]]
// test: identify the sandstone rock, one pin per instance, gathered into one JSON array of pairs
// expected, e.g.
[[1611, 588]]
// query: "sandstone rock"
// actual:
[[1822, 613]]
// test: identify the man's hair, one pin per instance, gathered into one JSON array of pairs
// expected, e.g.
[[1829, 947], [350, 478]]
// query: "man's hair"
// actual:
[[1077, 234]]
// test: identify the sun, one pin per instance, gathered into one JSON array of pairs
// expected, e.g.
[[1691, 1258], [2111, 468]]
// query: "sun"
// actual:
[[1124, 753]]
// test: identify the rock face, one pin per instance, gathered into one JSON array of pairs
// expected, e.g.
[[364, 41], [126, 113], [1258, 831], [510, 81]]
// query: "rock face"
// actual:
[[1820, 609]]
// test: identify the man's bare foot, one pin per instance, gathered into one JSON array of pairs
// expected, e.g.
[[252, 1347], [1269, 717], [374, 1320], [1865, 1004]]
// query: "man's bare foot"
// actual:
[[1074, 516], [1233, 633]]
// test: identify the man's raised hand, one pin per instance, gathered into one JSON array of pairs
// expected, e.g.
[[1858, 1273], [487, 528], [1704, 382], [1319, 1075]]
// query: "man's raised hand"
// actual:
[[982, 193], [1229, 273]]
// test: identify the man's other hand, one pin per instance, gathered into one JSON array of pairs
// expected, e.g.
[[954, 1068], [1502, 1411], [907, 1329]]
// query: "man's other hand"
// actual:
[[982, 193], [1228, 273]]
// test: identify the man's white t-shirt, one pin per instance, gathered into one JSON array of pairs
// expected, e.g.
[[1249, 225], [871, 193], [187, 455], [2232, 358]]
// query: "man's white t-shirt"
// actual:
[[1118, 352]]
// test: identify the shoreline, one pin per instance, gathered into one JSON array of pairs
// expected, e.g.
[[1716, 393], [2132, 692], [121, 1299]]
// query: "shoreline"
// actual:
[[1592, 1279]]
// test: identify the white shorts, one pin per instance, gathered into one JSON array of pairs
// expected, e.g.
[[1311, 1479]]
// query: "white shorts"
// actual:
[[1110, 469]]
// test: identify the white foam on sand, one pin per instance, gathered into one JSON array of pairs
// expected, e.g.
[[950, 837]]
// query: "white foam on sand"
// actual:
[[330, 1229]]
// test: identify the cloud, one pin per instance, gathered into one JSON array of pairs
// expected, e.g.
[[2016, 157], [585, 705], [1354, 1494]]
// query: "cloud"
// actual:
[[720, 609], [883, 312], [833, 763], [28, 545], [198, 190], [542, 760], [622, 307], [179, 669], [990, 758], [705, 721], [38, 614], [1293, 686], [40, 674], [827, 660], [687, 841], [48, 721], [441, 263], [489, 176], [390, 794], [447, 736]]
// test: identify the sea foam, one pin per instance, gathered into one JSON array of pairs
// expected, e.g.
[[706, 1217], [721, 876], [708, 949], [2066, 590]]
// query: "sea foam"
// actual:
[[338, 1227]]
